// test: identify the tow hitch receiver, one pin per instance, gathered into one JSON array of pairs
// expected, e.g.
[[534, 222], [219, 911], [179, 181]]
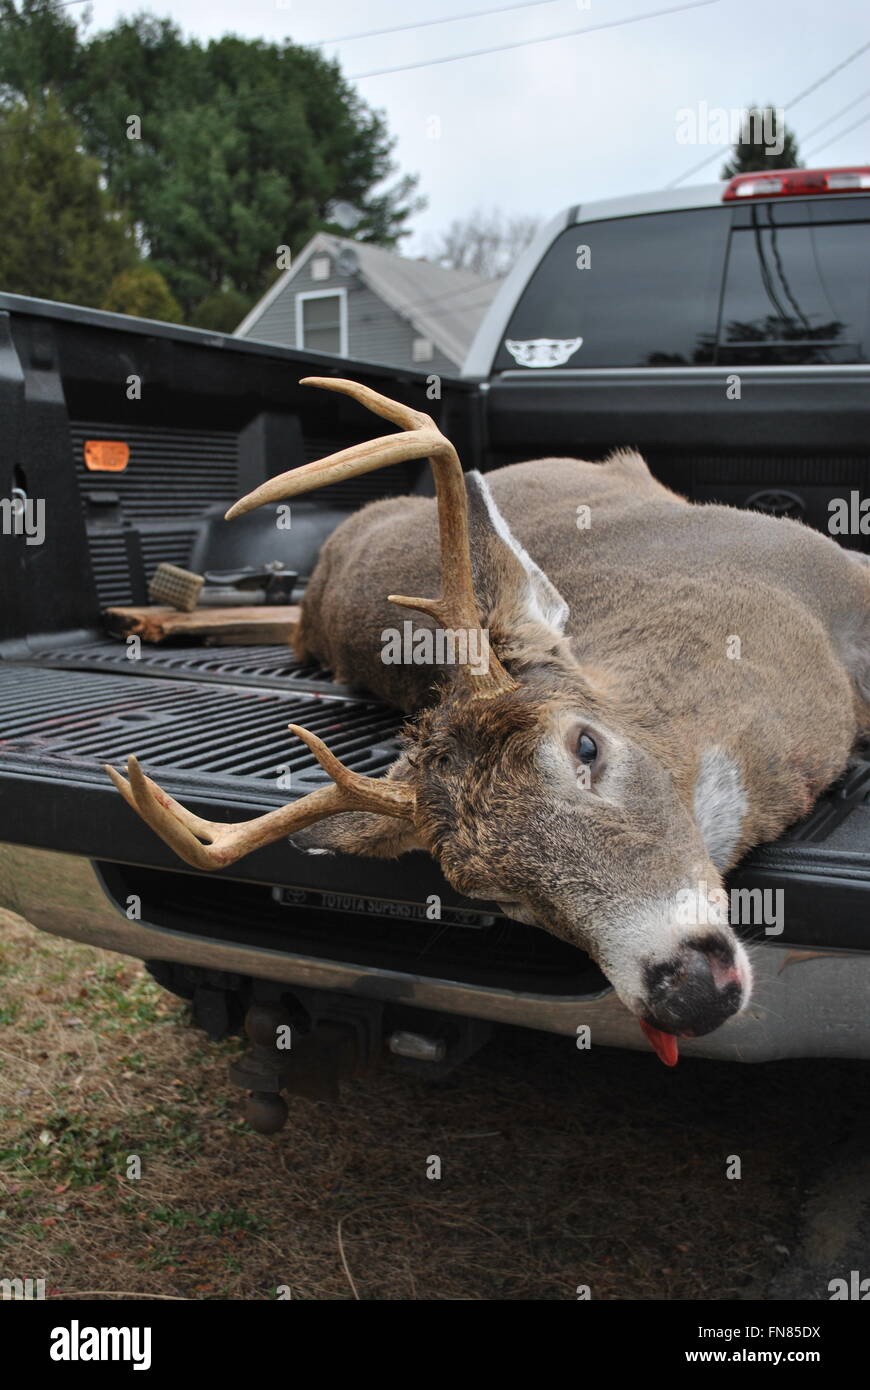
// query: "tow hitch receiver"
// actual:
[[283, 1058], [307, 1042]]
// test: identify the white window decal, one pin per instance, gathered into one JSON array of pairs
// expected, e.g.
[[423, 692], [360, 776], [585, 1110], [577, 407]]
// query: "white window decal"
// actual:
[[542, 352]]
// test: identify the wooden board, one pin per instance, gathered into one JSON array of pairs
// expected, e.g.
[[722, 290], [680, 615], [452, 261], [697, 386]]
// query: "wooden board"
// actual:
[[246, 627]]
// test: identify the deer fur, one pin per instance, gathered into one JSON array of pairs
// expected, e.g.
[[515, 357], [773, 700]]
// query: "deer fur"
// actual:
[[663, 686], [626, 627]]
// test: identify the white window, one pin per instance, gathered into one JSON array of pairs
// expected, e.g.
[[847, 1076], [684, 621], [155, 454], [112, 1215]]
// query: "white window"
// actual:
[[321, 321], [422, 350], [320, 268]]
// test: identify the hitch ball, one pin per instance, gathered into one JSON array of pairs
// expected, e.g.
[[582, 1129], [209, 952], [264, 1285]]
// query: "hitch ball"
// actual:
[[265, 1111]]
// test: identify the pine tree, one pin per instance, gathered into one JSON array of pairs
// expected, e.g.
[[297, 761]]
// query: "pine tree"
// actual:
[[222, 151], [753, 151], [61, 237]]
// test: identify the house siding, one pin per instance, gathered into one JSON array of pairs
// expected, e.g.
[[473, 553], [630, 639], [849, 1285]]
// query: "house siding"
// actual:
[[375, 332]]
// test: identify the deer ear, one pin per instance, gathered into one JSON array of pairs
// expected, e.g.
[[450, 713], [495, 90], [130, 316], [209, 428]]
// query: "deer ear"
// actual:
[[363, 832], [511, 590]]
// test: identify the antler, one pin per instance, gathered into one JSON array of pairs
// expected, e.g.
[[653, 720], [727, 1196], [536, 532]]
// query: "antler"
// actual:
[[457, 607], [206, 844]]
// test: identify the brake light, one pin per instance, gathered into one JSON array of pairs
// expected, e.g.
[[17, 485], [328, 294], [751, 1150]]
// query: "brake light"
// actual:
[[106, 455], [792, 183]]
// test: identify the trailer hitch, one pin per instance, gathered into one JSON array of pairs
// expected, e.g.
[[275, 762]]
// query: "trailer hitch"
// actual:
[[306, 1058]]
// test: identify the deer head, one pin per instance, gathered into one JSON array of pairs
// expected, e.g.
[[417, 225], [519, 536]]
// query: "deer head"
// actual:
[[529, 779]]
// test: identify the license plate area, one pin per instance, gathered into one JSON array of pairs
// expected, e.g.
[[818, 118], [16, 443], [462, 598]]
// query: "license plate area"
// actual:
[[395, 909]]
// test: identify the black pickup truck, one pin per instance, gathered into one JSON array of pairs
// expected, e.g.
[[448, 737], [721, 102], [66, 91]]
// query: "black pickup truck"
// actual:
[[724, 331]]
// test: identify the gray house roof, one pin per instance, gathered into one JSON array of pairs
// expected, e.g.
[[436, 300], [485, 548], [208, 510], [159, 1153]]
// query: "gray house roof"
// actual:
[[443, 305]]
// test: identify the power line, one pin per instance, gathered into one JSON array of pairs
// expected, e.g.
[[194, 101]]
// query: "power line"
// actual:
[[423, 23], [836, 116], [717, 154], [265, 91], [849, 128], [526, 43], [821, 80]]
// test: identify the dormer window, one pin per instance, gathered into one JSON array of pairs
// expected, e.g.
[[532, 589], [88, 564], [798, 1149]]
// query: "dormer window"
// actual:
[[321, 321]]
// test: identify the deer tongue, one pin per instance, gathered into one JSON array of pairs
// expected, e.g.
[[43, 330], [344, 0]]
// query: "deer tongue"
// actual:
[[664, 1045]]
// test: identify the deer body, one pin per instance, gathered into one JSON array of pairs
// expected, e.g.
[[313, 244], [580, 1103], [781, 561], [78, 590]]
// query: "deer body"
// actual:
[[667, 685], [713, 627]]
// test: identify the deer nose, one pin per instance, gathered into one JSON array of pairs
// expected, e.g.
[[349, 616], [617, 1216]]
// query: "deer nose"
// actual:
[[695, 990]]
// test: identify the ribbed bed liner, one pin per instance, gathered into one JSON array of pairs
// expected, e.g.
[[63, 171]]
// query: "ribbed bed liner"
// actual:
[[269, 666], [218, 716], [188, 733], [210, 724]]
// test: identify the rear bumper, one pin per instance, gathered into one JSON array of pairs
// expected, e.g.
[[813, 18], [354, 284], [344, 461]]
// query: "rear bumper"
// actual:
[[806, 1003]]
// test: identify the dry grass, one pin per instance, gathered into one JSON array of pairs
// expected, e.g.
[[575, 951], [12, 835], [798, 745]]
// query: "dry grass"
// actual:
[[559, 1167]]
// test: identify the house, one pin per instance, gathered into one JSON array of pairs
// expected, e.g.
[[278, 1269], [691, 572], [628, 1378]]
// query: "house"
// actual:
[[360, 301]]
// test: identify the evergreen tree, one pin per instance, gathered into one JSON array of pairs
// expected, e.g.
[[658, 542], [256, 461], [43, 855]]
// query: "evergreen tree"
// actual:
[[753, 152], [60, 235], [38, 46], [223, 152]]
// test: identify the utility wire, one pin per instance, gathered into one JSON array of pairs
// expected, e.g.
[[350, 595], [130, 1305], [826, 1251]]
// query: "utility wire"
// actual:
[[422, 23], [717, 154], [526, 43], [266, 92], [849, 128], [837, 114]]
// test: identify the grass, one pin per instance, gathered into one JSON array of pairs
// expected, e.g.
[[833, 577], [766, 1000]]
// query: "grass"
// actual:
[[559, 1168]]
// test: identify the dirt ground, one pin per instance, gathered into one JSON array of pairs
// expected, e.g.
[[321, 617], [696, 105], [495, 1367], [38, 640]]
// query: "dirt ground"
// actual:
[[559, 1168]]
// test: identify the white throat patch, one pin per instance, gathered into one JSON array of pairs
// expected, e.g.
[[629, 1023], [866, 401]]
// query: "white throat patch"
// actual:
[[720, 805]]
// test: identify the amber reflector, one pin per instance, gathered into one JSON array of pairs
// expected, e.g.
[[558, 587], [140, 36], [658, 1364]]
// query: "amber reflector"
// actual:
[[106, 455]]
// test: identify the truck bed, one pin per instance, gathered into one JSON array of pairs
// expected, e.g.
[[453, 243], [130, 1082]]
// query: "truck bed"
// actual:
[[218, 417]]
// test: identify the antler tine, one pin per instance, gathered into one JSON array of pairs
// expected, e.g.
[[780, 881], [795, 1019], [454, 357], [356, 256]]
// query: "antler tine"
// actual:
[[213, 845], [420, 434], [457, 607], [365, 793]]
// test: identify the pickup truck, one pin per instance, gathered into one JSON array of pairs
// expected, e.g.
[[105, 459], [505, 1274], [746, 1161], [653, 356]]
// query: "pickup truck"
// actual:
[[723, 330]]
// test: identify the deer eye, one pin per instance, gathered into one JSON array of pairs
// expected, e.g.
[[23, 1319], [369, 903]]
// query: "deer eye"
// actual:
[[586, 750]]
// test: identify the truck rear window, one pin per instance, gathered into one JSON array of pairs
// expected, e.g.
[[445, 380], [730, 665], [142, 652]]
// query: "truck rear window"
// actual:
[[648, 297], [768, 283], [797, 285]]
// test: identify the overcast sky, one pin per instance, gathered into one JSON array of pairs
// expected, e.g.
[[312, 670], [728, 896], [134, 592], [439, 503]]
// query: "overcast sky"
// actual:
[[545, 125]]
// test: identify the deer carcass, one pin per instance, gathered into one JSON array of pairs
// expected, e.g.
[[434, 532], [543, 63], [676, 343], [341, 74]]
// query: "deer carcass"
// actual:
[[657, 687]]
